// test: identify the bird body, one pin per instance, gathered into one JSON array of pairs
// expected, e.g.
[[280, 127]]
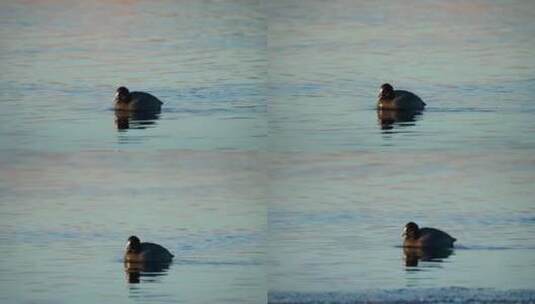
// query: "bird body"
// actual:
[[416, 237], [136, 101], [137, 252], [398, 100]]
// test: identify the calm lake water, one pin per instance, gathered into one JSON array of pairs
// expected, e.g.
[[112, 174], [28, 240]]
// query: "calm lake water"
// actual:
[[74, 186], [268, 172]]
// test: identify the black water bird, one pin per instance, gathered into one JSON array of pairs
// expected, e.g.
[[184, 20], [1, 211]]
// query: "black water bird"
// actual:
[[135, 101], [398, 100], [416, 237], [137, 252]]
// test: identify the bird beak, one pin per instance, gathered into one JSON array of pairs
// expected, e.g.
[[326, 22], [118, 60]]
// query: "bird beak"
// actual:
[[127, 245], [380, 93], [404, 233]]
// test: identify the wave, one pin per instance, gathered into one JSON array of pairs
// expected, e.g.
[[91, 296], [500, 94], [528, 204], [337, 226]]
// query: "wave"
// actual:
[[407, 295]]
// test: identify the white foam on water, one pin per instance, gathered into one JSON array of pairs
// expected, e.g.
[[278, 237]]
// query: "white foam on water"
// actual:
[[400, 296]]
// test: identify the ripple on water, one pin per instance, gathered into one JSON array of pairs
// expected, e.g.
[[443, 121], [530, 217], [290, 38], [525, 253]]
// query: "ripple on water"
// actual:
[[402, 296]]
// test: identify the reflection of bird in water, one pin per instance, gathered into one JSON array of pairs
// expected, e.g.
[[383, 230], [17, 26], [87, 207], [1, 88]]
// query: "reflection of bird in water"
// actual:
[[145, 259], [388, 118], [134, 271], [413, 255], [135, 119]]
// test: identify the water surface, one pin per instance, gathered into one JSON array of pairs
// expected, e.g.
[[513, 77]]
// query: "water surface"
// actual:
[[77, 179], [268, 172], [345, 179]]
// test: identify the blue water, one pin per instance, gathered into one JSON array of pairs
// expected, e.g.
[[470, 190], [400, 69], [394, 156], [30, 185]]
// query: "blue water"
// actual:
[[268, 173], [345, 179], [75, 183]]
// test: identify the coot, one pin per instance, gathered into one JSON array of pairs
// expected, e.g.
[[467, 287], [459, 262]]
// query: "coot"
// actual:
[[137, 252], [416, 237], [398, 100], [135, 101]]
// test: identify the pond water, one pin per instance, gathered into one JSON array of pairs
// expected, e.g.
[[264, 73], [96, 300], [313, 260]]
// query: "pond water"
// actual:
[[76, 180], [345, 179], [268, 172]]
